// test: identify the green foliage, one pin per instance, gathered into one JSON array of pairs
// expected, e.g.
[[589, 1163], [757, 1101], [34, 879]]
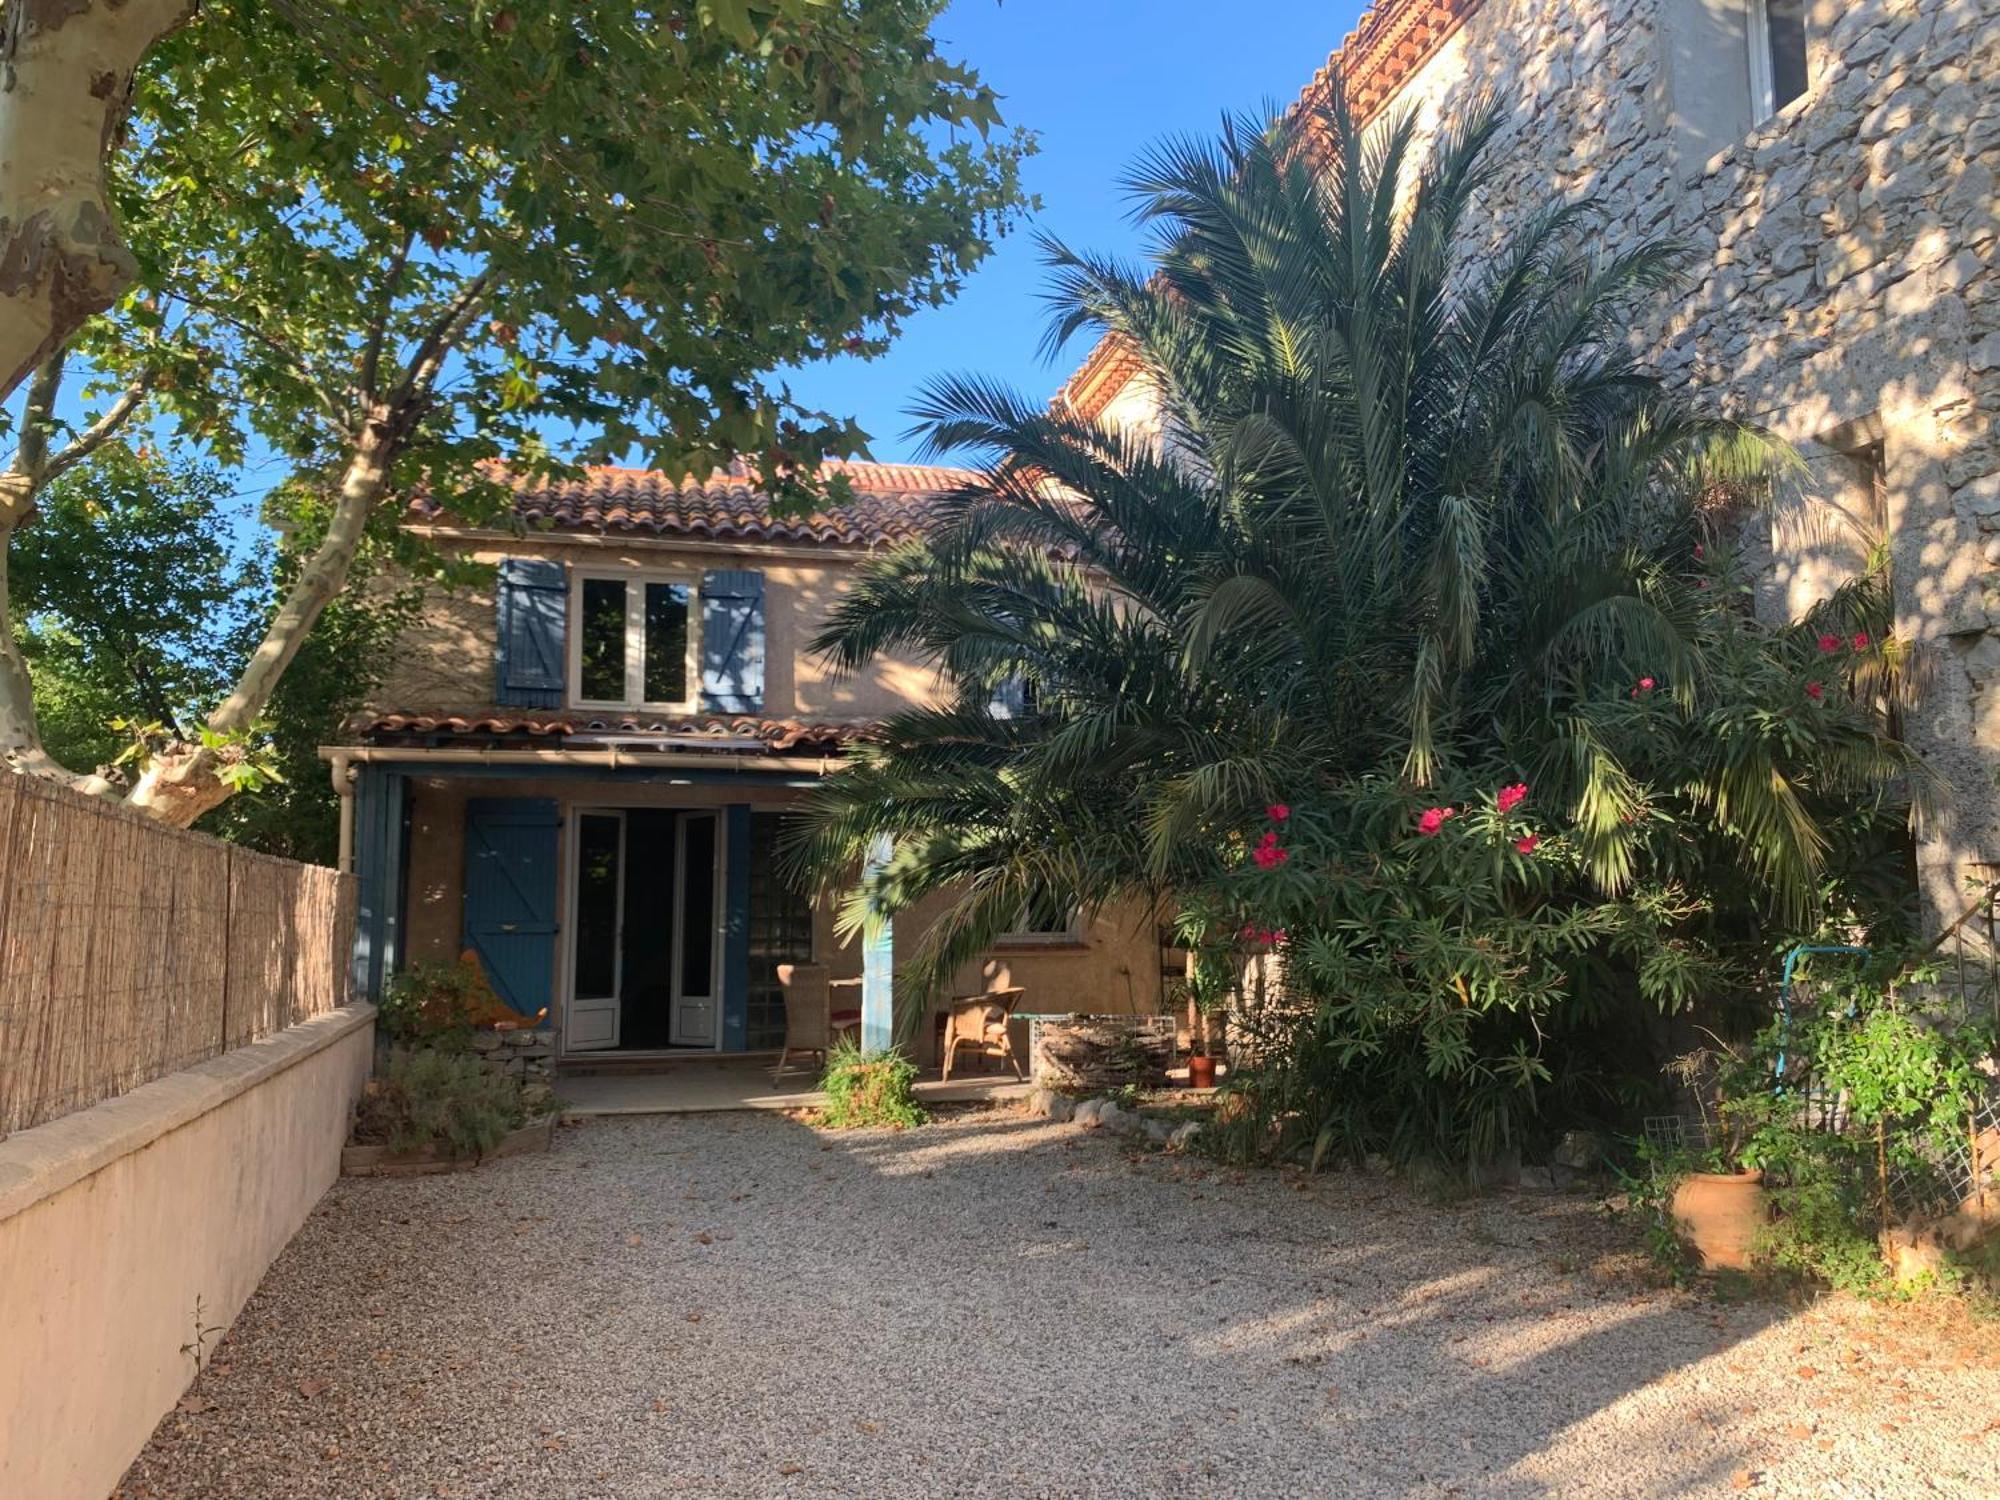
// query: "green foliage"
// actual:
[[432, 1004], [870, 1089], [130, 596], [1422, 532], [610, 220], [137, 602], [1868, 1082], [1648, 1191], [447, 1100]]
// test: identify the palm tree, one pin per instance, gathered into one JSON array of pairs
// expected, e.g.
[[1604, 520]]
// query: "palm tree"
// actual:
[[1415, 515]]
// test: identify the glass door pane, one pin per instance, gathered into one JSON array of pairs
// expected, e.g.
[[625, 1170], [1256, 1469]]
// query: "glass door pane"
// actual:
[[697, 1008], [592, 1015]]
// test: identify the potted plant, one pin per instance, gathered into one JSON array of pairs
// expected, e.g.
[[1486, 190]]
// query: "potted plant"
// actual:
[[1208, 984], [1719, 1206]]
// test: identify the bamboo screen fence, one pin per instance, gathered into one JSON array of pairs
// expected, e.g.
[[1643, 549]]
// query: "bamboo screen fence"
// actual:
[[130, 950]]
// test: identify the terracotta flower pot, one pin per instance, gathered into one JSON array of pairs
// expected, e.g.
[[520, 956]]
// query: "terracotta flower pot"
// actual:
[[1201, 1071], [1720, 1214]]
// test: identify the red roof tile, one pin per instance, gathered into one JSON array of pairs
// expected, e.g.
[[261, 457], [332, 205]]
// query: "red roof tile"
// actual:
[[778, 735], [892, 503]]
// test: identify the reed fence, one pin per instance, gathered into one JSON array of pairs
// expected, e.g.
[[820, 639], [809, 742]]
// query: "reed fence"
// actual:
[[130, 950]]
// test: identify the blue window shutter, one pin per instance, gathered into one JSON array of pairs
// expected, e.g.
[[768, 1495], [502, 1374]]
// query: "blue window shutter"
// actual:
[[530, 656], [732, 642]]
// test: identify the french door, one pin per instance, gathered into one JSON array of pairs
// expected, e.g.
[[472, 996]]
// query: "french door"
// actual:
[[697, 1001], [597, 954]]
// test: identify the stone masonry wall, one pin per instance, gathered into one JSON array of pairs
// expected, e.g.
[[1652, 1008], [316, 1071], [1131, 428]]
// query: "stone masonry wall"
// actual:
[[1846, 291]]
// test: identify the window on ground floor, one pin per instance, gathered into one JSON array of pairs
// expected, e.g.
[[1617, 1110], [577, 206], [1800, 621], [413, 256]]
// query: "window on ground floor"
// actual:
[[781, 932], [1048, 918]]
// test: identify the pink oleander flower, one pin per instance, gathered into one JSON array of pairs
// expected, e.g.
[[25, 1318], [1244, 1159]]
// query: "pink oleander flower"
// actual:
[[1860, 640], [1829, 643], [1700, 551], [1815, 692], [1527, 842], [1511, 797], [1646, 684], [1432, 822], [1278, 935], [1277, 812], [1269, 856]]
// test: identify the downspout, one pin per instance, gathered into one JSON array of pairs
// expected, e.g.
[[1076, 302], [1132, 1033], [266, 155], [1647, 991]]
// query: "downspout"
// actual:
[[343, 786]]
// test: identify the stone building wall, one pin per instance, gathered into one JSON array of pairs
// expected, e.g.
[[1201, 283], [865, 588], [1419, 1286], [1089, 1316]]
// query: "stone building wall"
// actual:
[[1845, 265], [1845, 290]]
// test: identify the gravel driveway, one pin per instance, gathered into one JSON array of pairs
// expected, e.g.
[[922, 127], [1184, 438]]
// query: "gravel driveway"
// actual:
[[735, 1305]]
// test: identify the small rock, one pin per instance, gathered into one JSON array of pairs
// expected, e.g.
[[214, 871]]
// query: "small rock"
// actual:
[[1184, 1137], [1061, 1107]]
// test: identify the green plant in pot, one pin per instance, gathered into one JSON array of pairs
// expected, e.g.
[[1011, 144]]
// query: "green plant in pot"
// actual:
[[1208, 986], [1719, 1205]]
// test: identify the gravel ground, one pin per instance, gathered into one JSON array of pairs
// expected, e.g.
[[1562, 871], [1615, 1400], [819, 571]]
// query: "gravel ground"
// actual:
[[736, 1305]]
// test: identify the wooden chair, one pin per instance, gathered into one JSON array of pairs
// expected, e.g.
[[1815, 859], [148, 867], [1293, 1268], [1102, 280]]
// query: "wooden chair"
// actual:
[[808, 1013], [984, 1022]]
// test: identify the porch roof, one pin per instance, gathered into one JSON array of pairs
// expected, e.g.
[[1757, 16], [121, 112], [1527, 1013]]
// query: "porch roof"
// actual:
[[637, 732]]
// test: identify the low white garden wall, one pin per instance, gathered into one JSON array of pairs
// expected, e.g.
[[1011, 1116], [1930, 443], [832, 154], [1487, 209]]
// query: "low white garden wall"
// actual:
[[116, 1219]]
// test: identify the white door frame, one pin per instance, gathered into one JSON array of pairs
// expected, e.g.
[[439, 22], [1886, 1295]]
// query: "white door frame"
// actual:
[[566, 947], [718, 895], [573, 877]]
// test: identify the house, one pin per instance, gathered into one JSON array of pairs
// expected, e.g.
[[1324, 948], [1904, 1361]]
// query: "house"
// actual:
[[581, 774], [1832, 170]]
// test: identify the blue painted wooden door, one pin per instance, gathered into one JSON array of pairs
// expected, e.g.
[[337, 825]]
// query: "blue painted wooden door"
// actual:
[[510, 895]]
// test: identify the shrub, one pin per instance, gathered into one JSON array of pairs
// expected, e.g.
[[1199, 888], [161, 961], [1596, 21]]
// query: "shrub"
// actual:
[[449, 1100], [433, 1004], [870, 1089]]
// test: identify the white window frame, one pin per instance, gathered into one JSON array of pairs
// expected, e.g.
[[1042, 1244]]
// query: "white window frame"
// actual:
[[1022, 937], [635, 581], [1763, 82]]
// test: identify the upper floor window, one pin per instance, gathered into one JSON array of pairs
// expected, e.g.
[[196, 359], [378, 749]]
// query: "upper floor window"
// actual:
[[1777, 54], [634, 641]]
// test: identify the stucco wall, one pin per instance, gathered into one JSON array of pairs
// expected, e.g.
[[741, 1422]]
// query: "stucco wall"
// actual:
[[1844, 291], [1112, 968], [446, 660], [115, 1220]]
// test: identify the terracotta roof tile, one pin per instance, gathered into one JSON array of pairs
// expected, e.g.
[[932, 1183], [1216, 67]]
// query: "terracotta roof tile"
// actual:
[[892, 503], [778, 735]]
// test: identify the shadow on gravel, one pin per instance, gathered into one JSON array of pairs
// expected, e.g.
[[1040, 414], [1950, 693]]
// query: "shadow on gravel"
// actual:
[[737, 1305]]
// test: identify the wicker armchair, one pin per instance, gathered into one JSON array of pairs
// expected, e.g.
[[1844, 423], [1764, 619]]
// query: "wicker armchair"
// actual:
[[984, 1022], [808, 1013]]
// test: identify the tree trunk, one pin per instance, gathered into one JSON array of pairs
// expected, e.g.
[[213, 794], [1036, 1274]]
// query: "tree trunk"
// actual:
[[20, 736], [179, 788], [65, 77]]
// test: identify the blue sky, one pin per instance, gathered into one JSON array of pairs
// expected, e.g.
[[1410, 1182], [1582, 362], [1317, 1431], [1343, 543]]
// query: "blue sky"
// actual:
[[1099, 80]]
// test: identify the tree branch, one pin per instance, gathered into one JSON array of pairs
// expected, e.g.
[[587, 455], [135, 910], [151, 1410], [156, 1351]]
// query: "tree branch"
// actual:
[[444, 335], [98, 433]]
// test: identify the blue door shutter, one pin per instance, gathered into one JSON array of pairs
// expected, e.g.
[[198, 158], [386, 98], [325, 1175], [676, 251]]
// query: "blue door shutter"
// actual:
[[732, 642], [530, 660], [510, 896]]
